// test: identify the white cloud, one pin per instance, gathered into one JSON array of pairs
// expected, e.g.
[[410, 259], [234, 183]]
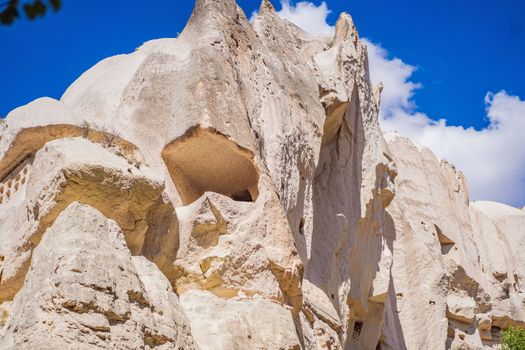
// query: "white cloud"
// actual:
[[493, 159], [306, 15], [394, 73]]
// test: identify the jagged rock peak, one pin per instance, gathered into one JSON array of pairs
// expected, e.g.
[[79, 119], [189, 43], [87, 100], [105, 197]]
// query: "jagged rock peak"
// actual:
[[378, 90], [266, 5], [217, 6], [231, 189], [345, 29], [220, 12]]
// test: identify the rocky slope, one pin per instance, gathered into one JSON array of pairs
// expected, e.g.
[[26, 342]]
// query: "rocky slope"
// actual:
[[231, 189]]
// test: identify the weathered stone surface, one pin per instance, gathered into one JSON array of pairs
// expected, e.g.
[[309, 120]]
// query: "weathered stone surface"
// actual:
[[73, 170], [84, 290], [452, 259], [241, 166], [239, 323]]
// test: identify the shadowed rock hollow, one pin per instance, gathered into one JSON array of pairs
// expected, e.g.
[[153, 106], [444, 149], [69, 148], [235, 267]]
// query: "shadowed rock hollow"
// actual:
[[203, 160], [231, 189]]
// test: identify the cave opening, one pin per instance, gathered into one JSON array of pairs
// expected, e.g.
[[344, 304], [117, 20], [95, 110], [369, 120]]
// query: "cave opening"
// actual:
[[204, 160], [242, 196], [301, 227], [358, 327], [446, 243]]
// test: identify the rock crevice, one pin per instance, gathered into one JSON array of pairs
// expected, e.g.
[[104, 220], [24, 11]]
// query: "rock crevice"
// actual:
[[232, 189]]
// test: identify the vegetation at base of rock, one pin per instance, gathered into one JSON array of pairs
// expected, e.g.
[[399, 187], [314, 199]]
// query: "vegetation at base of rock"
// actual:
[[249, 180], [513, 338]]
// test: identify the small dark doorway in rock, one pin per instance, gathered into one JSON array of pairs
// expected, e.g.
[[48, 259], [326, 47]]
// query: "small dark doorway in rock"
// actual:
[[301, 227], [358, 326]]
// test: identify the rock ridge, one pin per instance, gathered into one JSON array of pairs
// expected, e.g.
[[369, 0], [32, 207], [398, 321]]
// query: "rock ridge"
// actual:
[[231, 188]]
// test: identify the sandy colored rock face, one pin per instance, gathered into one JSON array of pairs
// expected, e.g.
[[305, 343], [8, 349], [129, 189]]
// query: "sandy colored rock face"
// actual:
[[258, 323], [85, 288], [456, 268], [205, 161], [232, 189]]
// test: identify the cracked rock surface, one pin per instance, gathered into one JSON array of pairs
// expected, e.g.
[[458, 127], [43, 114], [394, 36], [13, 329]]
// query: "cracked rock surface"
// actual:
[[232, 189]]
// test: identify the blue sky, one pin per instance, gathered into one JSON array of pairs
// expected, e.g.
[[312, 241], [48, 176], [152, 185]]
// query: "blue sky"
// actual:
[[462, 49], [451, 54]]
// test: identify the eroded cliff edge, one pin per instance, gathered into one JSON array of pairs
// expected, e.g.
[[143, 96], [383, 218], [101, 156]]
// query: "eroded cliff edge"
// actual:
[[231, 189]]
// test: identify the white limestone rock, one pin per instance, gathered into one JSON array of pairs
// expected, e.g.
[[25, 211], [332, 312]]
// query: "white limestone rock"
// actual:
[[85, 290], [457, 261], [240, 323], [242, 167]]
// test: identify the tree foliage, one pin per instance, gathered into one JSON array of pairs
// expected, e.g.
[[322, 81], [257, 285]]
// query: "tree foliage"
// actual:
[[513, 338], [10, 11]]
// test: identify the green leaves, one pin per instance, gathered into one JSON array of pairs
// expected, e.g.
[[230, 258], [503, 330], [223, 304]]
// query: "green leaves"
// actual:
[[55, 4], [37, 9], [10, 13], [513, 338], [32, 9]]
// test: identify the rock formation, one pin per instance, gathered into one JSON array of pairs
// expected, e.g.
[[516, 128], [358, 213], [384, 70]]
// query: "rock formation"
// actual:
[[232, 189]]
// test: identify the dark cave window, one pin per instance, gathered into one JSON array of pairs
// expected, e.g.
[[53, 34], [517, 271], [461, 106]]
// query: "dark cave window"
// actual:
[[358, 326]]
